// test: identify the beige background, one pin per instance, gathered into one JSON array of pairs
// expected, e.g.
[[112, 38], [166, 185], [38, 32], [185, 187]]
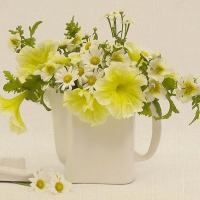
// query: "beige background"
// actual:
[[173, 26]]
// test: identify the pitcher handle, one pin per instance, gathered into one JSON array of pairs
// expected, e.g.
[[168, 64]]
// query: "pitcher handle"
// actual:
[[155, 139]]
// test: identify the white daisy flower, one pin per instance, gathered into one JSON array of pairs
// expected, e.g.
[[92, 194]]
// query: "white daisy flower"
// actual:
[[113, 15], [90, 84], [148, 53], [77, 40], [14, 41], [39, 182], [88, 44], [58, 184], [84, 72], [118, 56], [66, 77], [127, 21], [187, 88], [63, 44], [154, 90], [47, 71], [111, 44], [93, 57], [158, 69]]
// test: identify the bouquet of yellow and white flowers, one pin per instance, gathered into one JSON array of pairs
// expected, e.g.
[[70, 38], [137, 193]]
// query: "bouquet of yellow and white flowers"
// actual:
[[97, 79]]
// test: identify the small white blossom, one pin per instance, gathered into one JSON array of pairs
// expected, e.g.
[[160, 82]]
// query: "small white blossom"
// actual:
[[93, 57], [66, 77], [127, 21], [47, 71], [158, 69], [14, 41], [63, 44], [187, 88], [90, 84], [88, 44], [84, 72], [154, 90]]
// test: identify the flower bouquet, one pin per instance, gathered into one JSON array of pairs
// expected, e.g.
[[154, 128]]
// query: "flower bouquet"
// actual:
[[96, 78]]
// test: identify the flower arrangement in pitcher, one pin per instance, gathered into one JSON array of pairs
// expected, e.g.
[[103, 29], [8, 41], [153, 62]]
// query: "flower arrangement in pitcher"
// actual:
[[97, 79]]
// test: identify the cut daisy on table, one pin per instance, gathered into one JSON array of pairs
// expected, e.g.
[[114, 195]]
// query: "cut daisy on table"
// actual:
[[39, 181]]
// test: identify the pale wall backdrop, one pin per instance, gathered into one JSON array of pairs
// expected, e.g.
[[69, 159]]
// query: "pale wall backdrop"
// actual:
[[172, 26]]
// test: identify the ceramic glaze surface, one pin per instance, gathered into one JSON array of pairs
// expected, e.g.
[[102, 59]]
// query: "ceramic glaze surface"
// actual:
[[100, 154]]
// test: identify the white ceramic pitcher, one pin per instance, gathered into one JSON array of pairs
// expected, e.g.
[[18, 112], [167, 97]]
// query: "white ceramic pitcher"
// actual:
[[101, 154]]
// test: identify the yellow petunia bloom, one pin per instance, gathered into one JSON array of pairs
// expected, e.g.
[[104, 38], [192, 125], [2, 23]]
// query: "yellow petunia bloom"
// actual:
[[120, 90], [29, 59], [133, 51], [82, 104], [11, 107]]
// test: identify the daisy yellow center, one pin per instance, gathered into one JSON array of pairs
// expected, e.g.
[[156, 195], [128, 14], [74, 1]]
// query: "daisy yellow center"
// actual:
[[80, 71], [14, 41], [50, 69], [95, 60], [87, 45], [91, 80], [67, 78], [40, 184], [159, 69], [59, 187], [144, 53], [155, 88], [117, 58], [189, 89]]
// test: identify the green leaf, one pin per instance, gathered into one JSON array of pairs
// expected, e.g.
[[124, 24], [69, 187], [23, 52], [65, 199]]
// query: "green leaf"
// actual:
[[72, 28], [172, 108], [29, 42], [14, 84], [13, 32], [195, 103], [196, 115], [158, 109], [169, 84], [146, 110], [34, 27], [33, 82]]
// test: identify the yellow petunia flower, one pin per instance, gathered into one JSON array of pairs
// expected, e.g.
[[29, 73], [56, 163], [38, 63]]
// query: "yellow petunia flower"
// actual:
[[82, 104], [11, 107], [29, 59], [120, 90], [133, 51]]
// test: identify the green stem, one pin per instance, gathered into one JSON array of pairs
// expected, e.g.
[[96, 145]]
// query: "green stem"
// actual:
[[126, 31], [110, 26], [122, 25], [139, 61]]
